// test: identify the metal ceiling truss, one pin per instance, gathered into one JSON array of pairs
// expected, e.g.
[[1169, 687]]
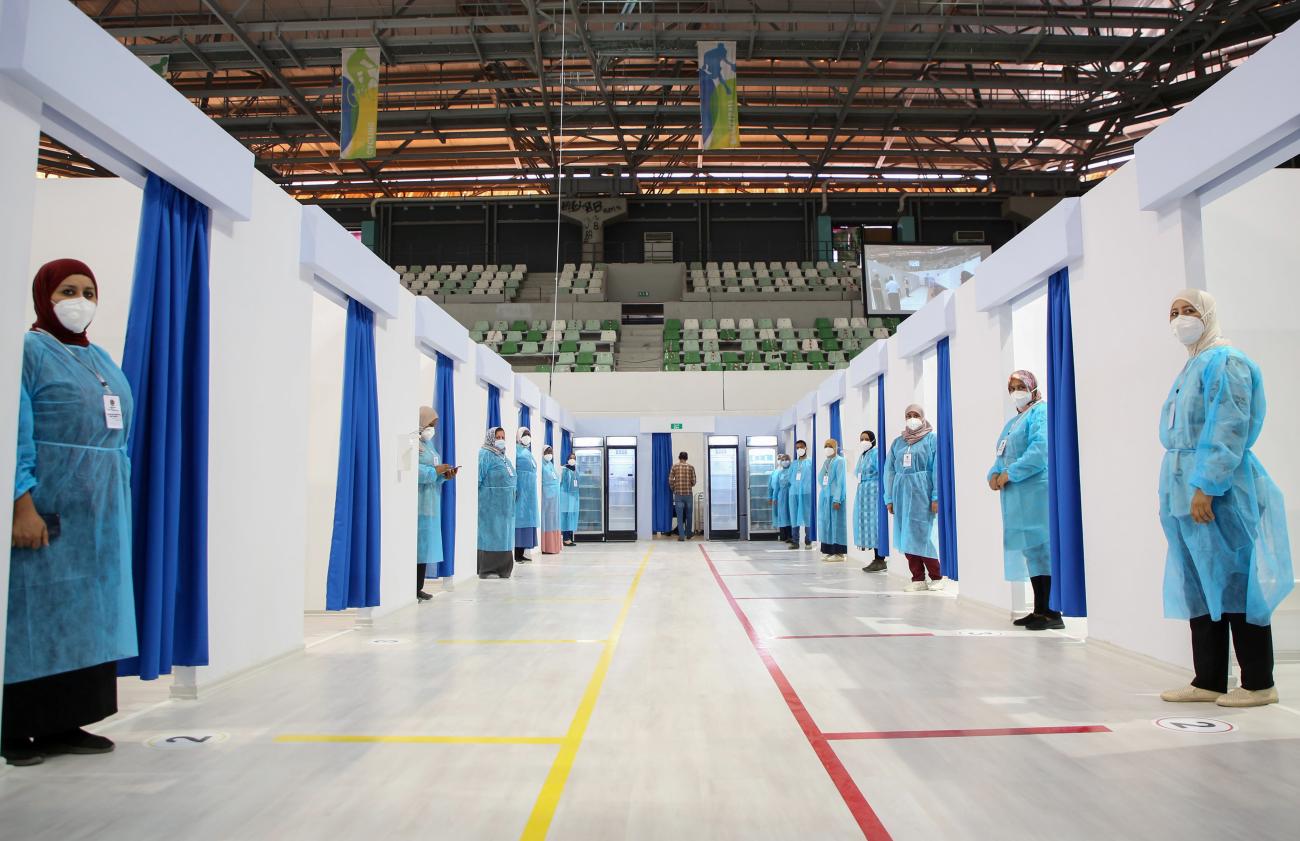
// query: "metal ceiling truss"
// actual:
[[872, 95]]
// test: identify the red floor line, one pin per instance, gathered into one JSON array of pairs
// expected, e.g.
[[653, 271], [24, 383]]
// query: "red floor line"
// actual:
[[848, 636], [867, 820], [949, 734], [769, 598]]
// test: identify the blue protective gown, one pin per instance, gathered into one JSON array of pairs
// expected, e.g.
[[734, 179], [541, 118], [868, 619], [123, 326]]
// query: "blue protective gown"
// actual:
[[527, 510], [568, 500], [1026, 529], [801, 492], [496, 502], [550, 497], [778, 490], [911, 489], [832, 488], [71, 604], [866, 504], [1241, 561], [428, 542]]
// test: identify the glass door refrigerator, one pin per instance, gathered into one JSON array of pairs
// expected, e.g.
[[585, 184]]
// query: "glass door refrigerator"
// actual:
[[590, 453], [620, 472], [760, 461], [724, 487]]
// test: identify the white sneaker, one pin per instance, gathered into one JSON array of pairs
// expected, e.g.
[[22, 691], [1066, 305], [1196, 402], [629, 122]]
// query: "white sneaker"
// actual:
[[1248, 697], [1190, 695], [936, 585], [915, 587]]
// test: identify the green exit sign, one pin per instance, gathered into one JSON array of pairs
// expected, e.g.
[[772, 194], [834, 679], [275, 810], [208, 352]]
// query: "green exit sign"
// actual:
[[674, 426], [643, 294]]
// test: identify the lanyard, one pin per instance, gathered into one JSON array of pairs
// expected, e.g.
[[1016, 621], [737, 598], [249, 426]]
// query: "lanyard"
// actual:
[[98, 376]]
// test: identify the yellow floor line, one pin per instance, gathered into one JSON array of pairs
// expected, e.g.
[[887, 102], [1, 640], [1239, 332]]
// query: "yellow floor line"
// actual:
[[514, 642], [302, 738], [548, 800]]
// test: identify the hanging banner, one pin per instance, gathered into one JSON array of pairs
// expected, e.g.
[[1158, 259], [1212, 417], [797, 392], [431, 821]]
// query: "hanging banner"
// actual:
[[719, 108], [360, 103]]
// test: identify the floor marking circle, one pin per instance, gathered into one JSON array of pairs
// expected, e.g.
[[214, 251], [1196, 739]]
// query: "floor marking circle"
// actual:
[[1194, 725], [386, 642], [978, 633], [185, 741]]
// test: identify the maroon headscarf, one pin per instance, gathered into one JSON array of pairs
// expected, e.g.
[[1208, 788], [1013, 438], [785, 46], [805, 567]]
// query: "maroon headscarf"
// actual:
[[48, 278]]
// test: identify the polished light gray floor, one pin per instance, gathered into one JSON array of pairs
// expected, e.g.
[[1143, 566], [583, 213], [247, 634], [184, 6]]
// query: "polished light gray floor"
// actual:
[[618, 692]]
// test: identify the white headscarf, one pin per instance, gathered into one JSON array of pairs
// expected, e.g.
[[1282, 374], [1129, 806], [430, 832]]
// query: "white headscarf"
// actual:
[[1209, 310]]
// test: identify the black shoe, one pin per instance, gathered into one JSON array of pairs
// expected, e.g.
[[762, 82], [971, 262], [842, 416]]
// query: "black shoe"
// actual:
[[1025, 620], [1046, 623], [422, 596], [792, 544], [74, 742], [523, 559], [807, 544], [21, 753], [877, 565], [681, 539]]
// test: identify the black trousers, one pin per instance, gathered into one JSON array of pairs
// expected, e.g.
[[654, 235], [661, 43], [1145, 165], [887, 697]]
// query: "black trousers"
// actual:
[[420, 574], [1253, 644], [1042, 585], [48, 706], [785, 534]]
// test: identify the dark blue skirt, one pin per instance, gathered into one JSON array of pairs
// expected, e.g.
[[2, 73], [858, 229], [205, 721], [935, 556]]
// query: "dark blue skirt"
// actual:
[[526, 538]]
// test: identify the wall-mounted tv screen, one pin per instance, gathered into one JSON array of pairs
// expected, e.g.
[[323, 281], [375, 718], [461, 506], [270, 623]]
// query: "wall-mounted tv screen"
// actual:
[[901, 278]]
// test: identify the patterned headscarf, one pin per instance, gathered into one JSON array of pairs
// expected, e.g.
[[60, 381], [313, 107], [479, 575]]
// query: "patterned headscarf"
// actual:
[[1209, 310], [1031, 383], [925, 429], [490, 441]]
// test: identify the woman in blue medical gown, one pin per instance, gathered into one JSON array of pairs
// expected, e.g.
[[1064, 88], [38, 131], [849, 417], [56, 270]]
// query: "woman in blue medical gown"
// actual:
[[778, 491], [496, 507], [527, 510], [912, 497], [832, 503], [866, 501], [433, 475], [71, 605], [569, 500], [1229, 560], [1019, 474], [551, 540], [801, 495]]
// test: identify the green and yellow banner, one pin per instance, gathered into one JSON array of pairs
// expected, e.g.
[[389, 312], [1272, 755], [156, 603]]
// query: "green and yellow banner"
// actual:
[[360, 103]]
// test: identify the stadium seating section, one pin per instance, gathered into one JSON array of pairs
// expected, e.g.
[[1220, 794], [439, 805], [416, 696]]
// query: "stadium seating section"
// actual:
[[771, 278], [748, 344], [464, 283], [580, 346]]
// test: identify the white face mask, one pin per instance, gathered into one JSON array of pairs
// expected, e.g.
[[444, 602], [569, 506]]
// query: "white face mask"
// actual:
[[867, 446], [76, 314], [829, 452], [799, 451], [527, 440], [427, 434], [547, 457], [501, 444], [1188, 329], [913, 424], [1021, 398], [573, 462]]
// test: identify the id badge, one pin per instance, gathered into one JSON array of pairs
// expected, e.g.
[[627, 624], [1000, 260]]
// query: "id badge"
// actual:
[[1173, 410], [907, 460], [112, 411], [798, 477], [1002, 447], [826, 480]]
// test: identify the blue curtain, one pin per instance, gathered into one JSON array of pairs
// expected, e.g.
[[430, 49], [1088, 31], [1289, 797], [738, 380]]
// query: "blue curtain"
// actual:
[[945, 469], [444, 400], [814, 449], [353, 579], [165, 359], [1069, 594], [494, 406], [566, 445], [882, 447], [550, 434], [836, 431], [661, 457], [525, 416]]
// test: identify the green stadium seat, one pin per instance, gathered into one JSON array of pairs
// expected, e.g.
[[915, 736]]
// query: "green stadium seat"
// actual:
[[568, 347], [831, 344], [592, 325], [509, 349], [692, 357], [584, 369], [542, 369], [519, 326], [822, 322], [534, 336], [529, 349], [482, 326], [514, 336], [815, 356], [609, 324], [586, 358]]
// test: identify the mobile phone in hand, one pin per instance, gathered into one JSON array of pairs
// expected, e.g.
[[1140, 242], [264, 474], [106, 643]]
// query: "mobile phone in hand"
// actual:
[[53, 525]]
